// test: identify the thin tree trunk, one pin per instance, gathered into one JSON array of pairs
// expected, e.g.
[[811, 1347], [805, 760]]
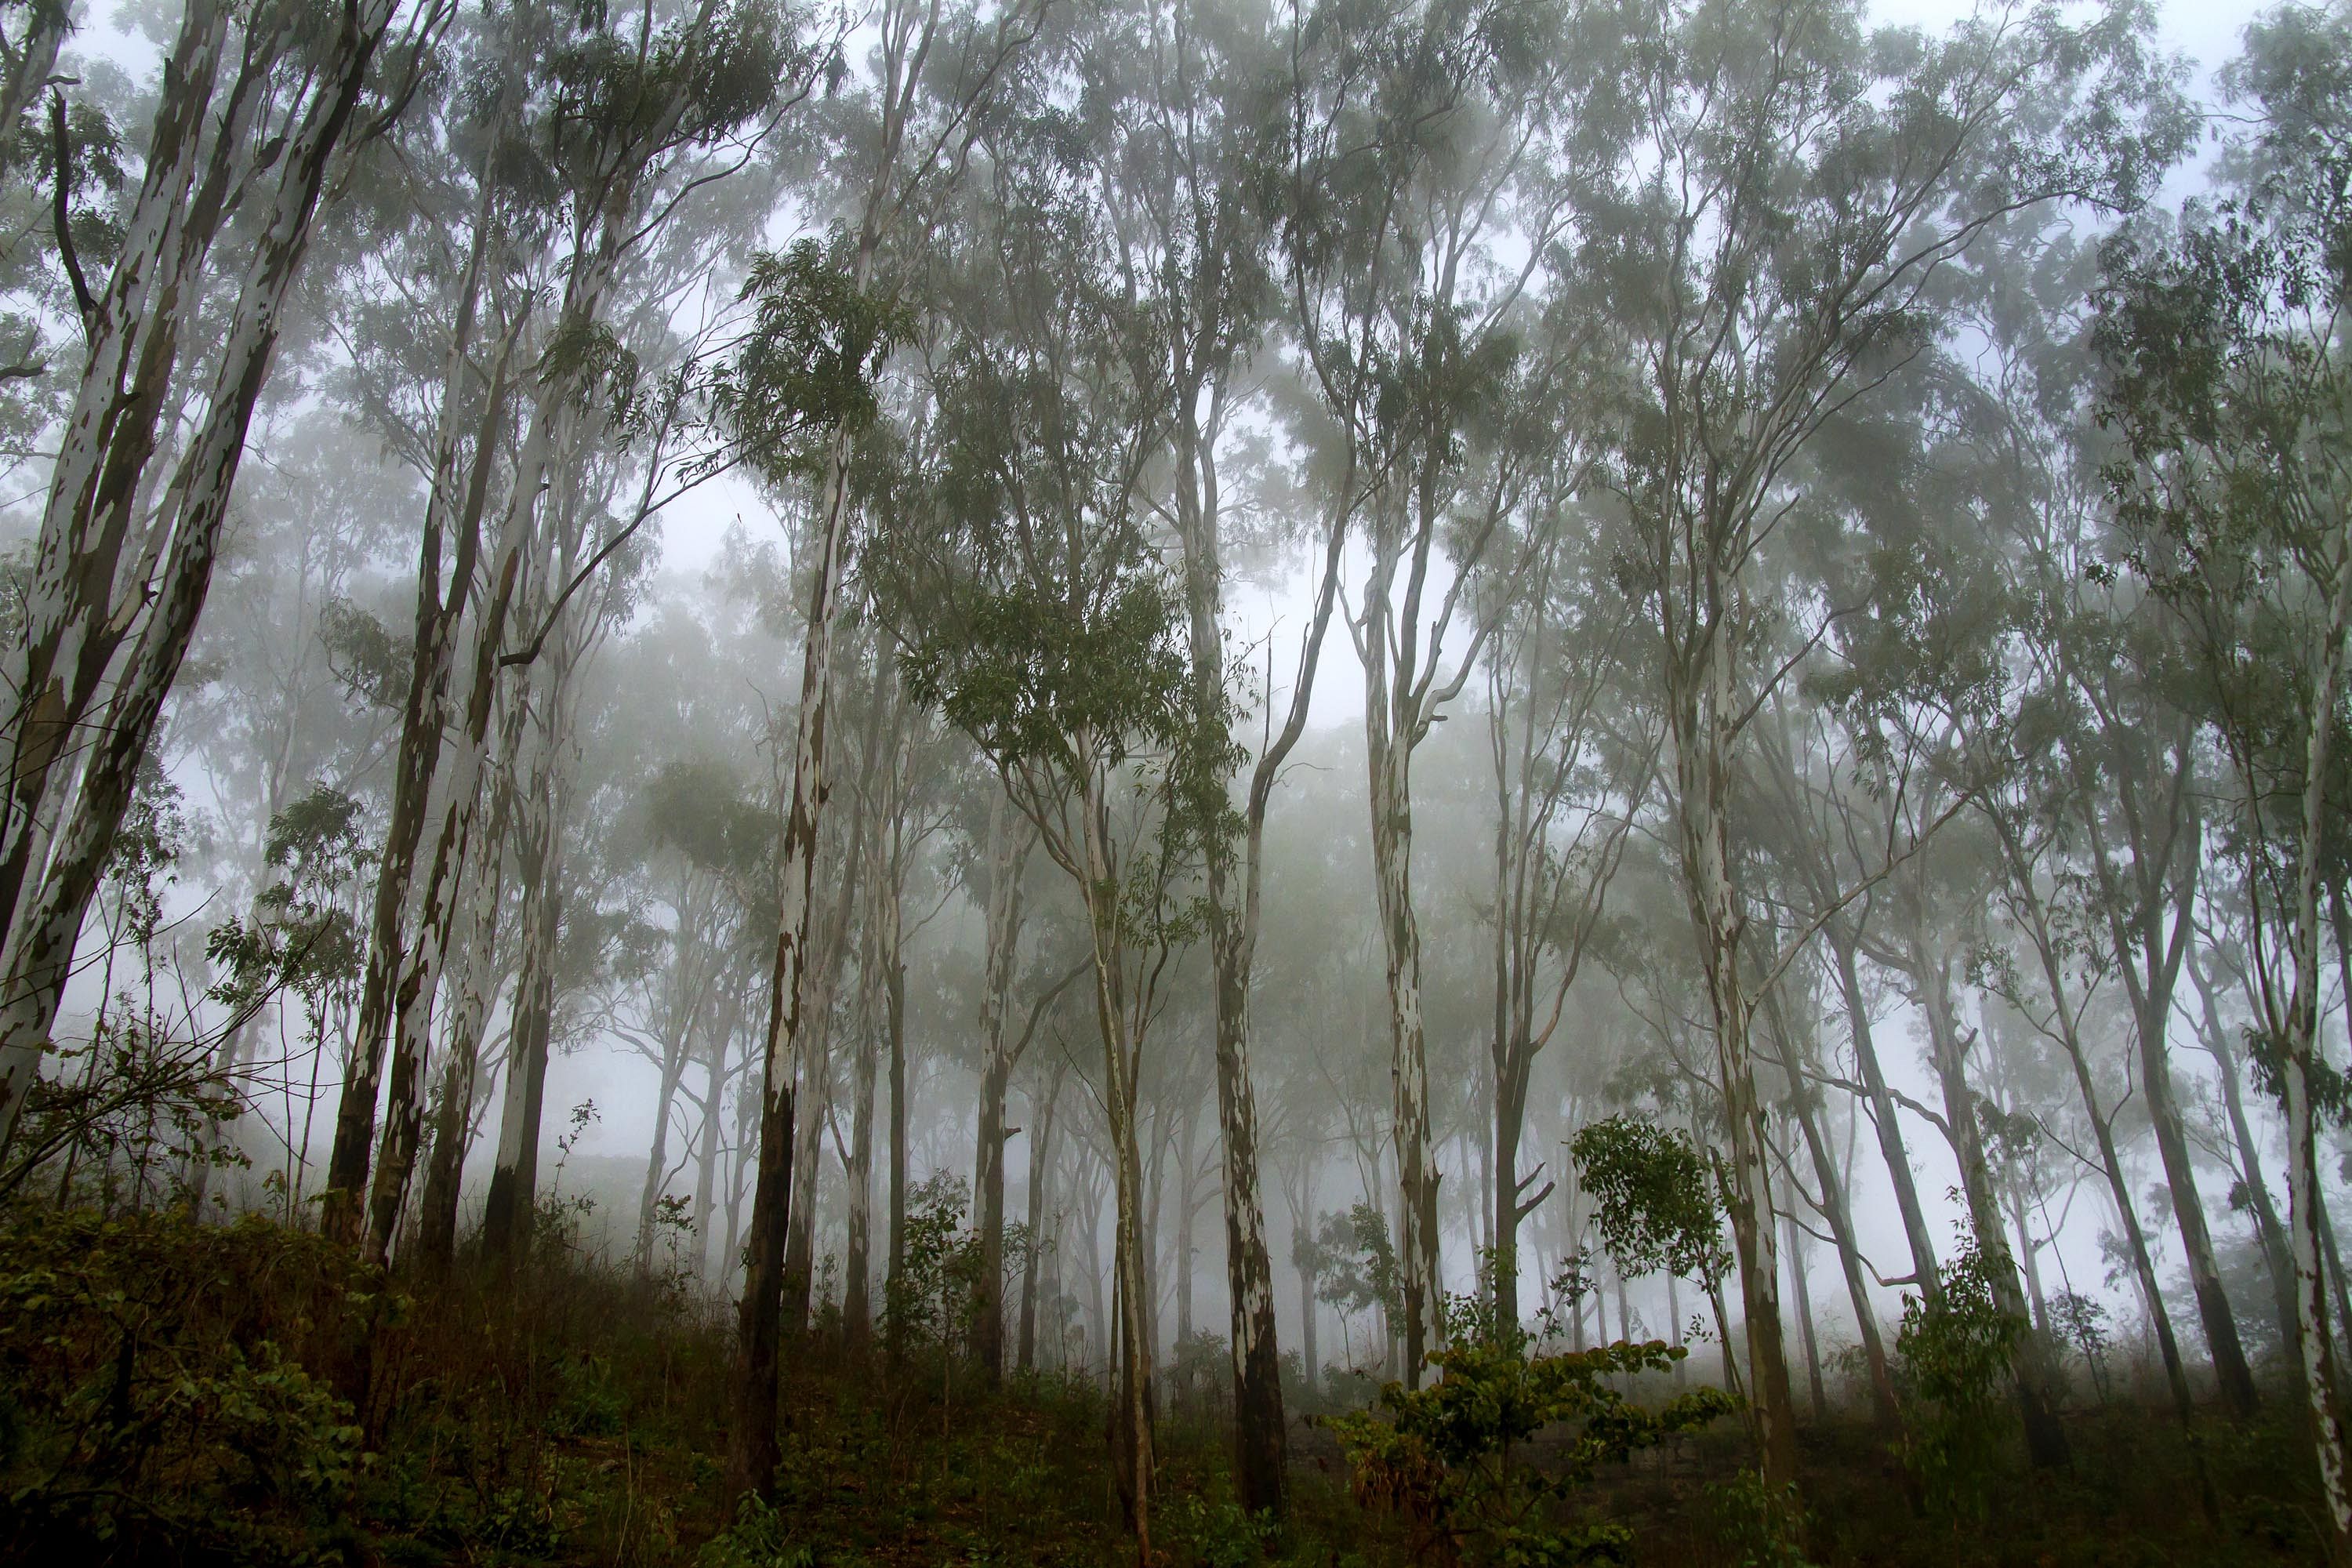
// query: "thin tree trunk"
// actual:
[[1804, 1290], [857, 1253], [2269, 1232], [2027, 900], [1886, 1120], [1008, 856], [815, 1072], [1132, 1460], [714, 1094], [752, 1449], [1041, 1175], [477, 985], [2045, 1439], [2143, 942], [509, 1211], [1702, 768], [1885, 1409]]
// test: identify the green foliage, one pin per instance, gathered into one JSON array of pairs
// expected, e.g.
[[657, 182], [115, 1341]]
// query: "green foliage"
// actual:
[[1955, 1360], [1655, 1201], [758, 1539], [1028, 675], [2082, 1323], [303, 937], [590, 1404], [1757, 1528], [1356, 1263], [1449, 1458], [1214, 1535], [806, 371], [934, 1299], [153, 1398]]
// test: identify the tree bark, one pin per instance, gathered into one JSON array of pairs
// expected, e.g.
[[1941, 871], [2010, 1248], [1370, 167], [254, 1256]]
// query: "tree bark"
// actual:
[[2270, 1233], [477, 984], [1009, 843], [1886, 1118], [72, 621], [1041, 1176], [508, 1212], [751, 1448]]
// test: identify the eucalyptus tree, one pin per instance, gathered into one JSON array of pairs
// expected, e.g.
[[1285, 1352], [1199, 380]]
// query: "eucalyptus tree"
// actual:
[[1430, 143], [1801, 186], [677, 998], [798, 402], [2119, 713], [1573, 746], [2092, 791], [273, 722], [908, 810], [2226, 387], [2064, 972], [1040, 622], [1191, 165], [611, 123], [258, 102]]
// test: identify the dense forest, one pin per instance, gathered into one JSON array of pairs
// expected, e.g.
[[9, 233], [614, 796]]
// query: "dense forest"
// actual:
[[1188, 781]]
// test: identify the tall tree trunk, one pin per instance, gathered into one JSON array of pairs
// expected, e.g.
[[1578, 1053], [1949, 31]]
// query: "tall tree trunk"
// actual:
[[751, 1448], [858, 1252], [455, 502], [1884, 1410], [1008, 842], [1886, 1118], [1700, 712], [71, 624], [1041, 1177], [1234, 904], [2269, 1232], [476, 985], [1803, 1291], [815, 1072], [714, 1097], [2045, 1439], [2150, 963], [509, 1210], [1133, 1462], [650, 1192], [896, 978]]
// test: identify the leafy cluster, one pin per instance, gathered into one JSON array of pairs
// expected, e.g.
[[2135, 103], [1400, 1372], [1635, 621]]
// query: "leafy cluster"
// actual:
[[1451, 1458], [1956, 1359], [1655, 1200], [156, 1393], [806, 371]]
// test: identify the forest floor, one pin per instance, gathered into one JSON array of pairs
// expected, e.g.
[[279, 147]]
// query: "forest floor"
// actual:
[[179, 1394]]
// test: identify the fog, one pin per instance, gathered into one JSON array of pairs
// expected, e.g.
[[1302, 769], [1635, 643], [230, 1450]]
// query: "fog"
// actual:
[[1337, 680]]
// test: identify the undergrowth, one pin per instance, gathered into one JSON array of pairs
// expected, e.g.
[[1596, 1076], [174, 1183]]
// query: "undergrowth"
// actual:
[[173, 1392]]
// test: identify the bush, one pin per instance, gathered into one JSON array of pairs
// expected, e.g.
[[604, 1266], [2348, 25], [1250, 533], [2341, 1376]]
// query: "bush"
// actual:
[[1757, 1527], [1955, 1359], [758, 1539], [160, 1405], [1447, 1458]]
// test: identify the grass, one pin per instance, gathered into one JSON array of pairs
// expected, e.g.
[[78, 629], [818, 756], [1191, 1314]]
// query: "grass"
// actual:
[[182, 1394]]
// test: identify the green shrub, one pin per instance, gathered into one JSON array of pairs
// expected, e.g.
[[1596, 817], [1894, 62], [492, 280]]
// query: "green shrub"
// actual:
[[1448, 1458], [1956, 1359], [1756, 1526], [758, 1539], [1221, 1535], [160, 1405]]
